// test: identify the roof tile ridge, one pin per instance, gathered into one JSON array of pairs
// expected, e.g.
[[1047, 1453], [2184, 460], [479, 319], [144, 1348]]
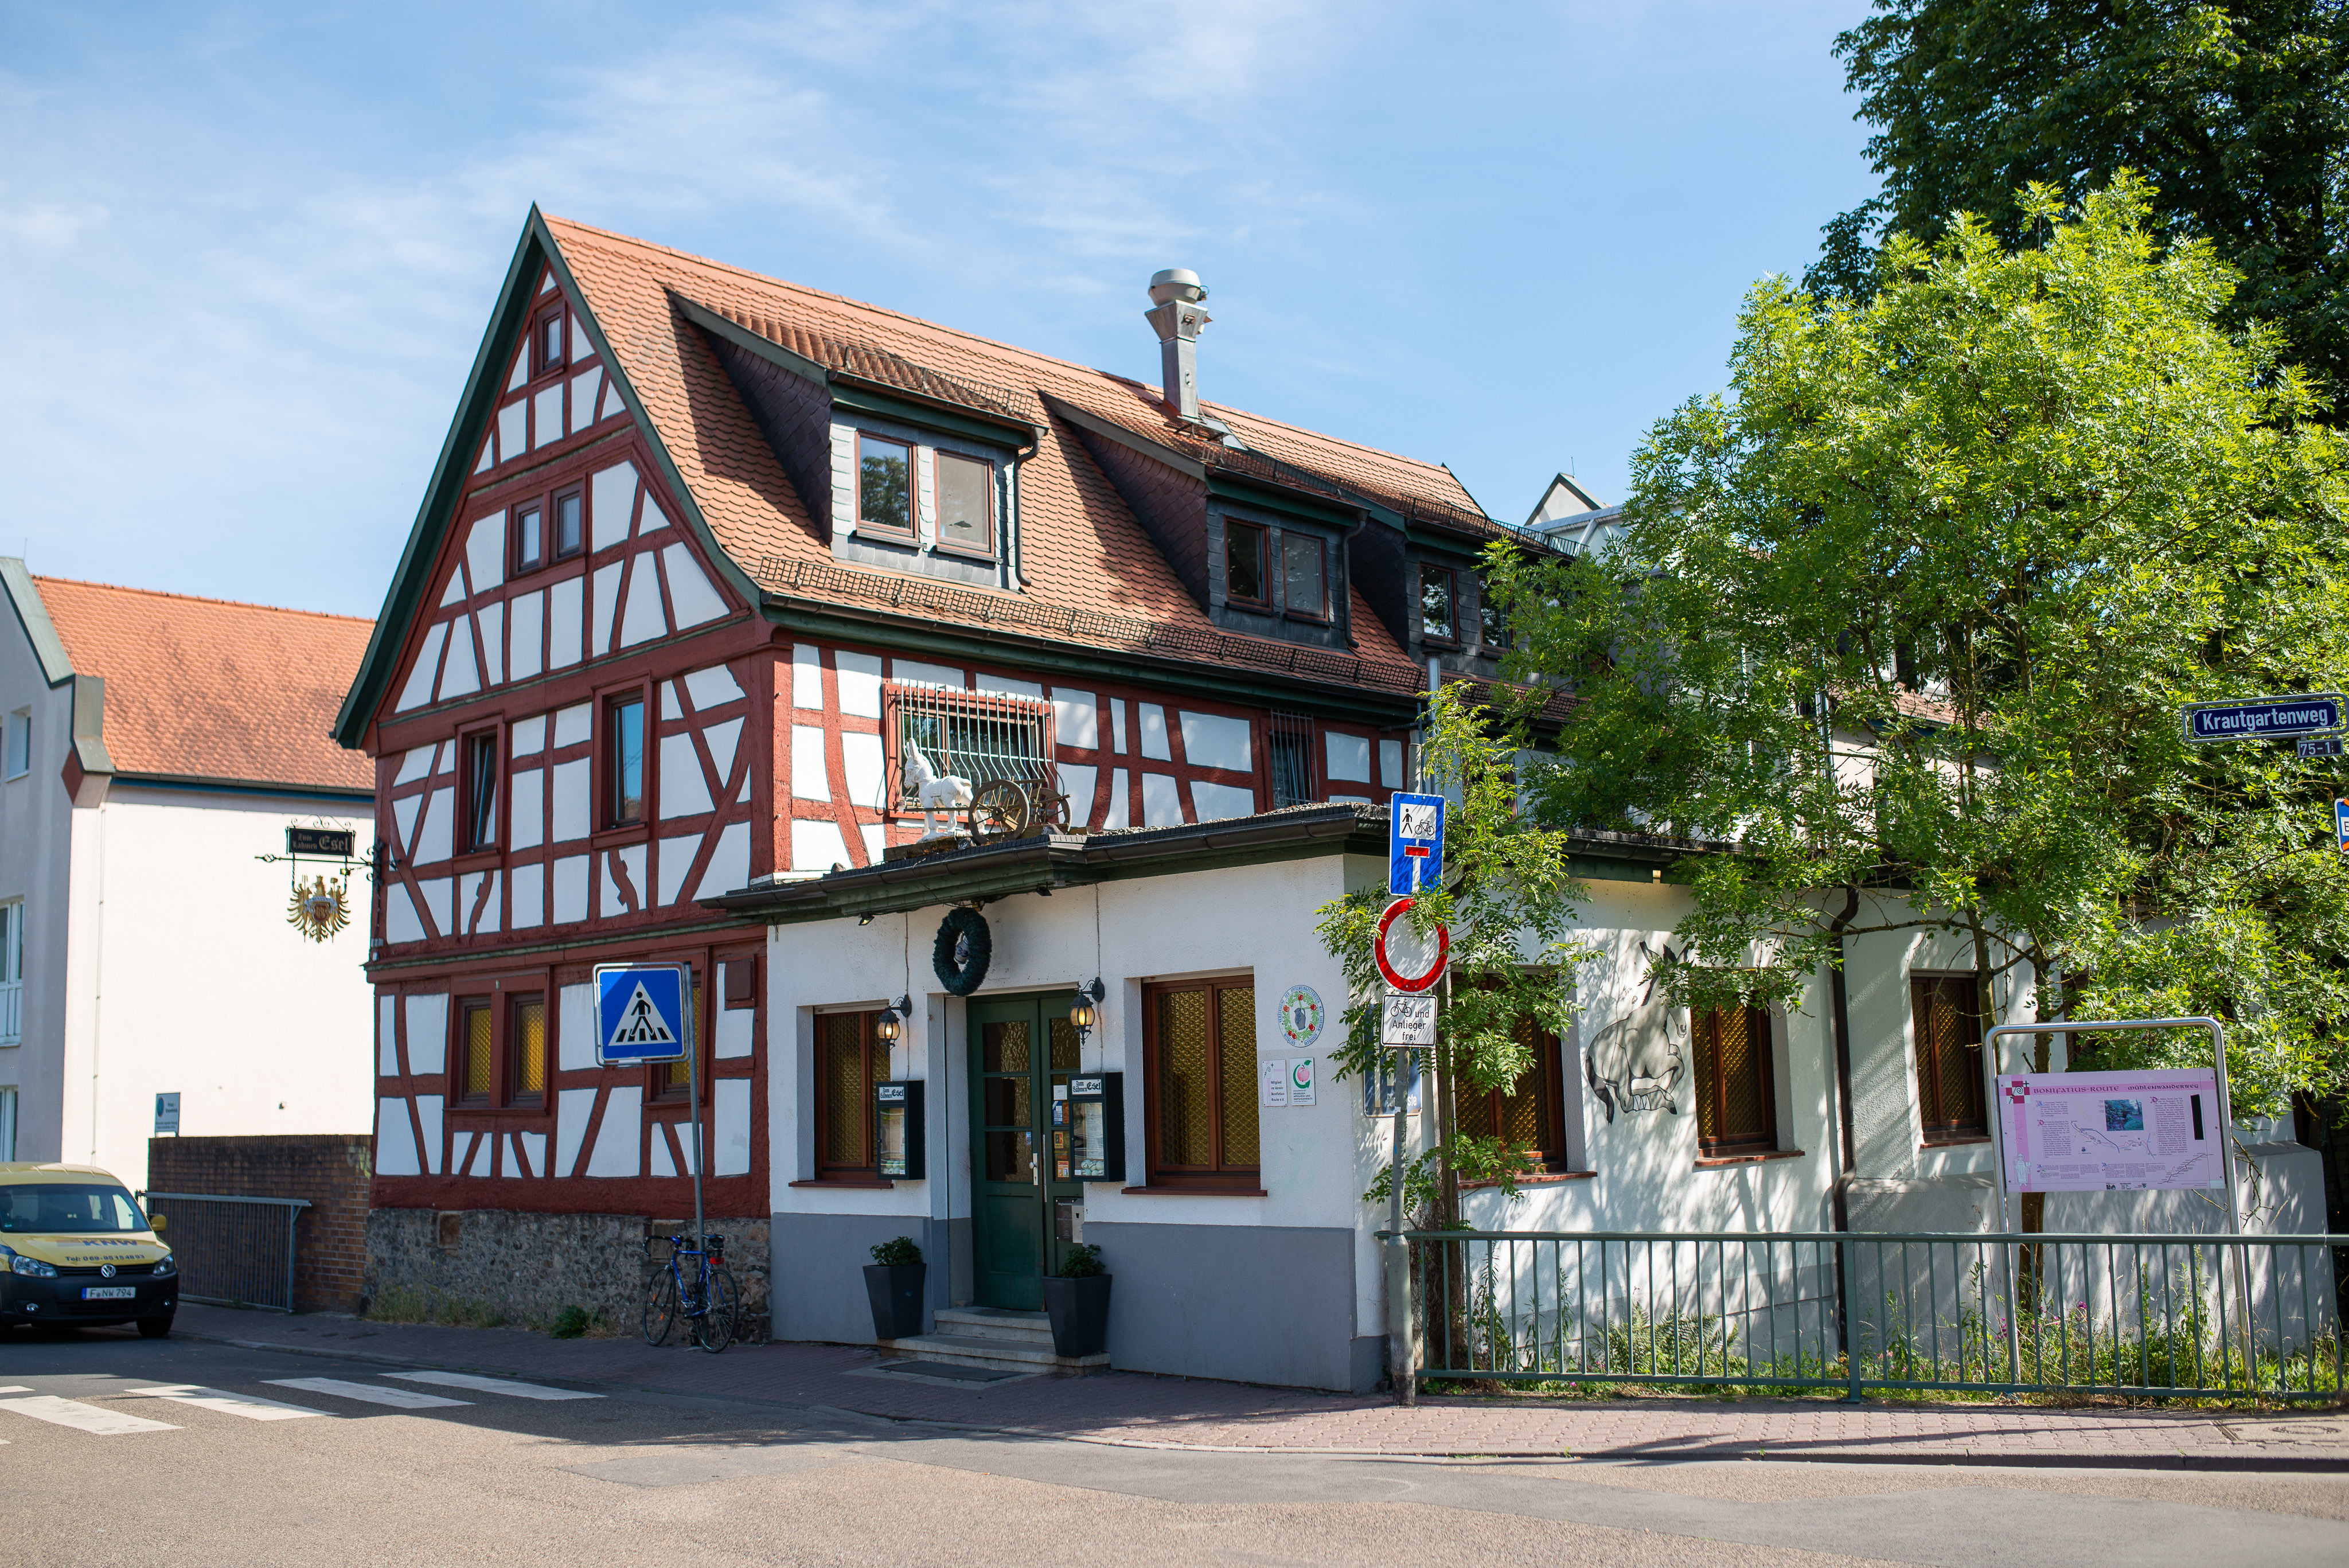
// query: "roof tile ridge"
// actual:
[[202, 599], [812, 292], [1431, 466]]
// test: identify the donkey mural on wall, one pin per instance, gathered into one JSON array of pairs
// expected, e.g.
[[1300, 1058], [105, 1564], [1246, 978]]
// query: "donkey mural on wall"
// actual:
[[1636, 1061]]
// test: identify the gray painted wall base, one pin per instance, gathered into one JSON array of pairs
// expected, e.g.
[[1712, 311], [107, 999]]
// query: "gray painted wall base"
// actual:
[[1251, 1303], [822, 1260]]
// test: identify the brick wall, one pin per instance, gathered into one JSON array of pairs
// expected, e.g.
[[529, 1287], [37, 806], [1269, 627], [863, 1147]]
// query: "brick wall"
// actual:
[[333, 1170]]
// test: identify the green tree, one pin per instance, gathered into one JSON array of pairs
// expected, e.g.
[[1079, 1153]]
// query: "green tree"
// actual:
[[2238, 112], [1507, 900], [1911, 611]]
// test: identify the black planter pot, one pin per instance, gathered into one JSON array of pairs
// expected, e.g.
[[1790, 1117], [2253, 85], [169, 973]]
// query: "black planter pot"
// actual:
[[896, 1290], [1080, 1312]]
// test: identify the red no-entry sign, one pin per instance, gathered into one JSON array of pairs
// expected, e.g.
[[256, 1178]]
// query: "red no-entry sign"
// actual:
[[1409, 960]]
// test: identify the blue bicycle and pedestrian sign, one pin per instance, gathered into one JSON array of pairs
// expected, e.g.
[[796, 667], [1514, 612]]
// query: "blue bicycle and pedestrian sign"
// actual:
[[642, 1013], [2266, 718], [1414, 844]]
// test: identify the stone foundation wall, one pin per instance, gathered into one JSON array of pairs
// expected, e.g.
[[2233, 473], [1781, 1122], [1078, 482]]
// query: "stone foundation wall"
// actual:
[[531, 1266]]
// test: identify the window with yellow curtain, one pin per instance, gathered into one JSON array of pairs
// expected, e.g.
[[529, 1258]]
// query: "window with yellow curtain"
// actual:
[[1736, 1108], [845, 1052], [526, 1048], [1201, 1084], [674, 1080], [1528, 1114], [1948, 1010], [475, 1062]]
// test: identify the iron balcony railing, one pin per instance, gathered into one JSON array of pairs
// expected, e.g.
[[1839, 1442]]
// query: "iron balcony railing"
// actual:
[[234, 1251], [978, 736], [2152, 1314]]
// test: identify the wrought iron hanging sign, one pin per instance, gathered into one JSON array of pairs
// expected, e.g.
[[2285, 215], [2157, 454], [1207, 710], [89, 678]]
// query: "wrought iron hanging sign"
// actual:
[[321, 907]]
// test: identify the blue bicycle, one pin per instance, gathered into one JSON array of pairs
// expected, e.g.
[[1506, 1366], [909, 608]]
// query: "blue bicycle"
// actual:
[[694, 1283]]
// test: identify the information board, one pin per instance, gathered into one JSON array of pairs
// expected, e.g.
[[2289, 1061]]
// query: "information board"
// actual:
[[2112, 1132]]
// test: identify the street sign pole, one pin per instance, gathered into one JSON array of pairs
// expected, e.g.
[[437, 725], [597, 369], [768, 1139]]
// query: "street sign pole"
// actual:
[[693, 1100]]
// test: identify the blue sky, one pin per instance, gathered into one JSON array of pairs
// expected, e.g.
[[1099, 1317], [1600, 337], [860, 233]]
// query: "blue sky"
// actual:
[[246, 252]]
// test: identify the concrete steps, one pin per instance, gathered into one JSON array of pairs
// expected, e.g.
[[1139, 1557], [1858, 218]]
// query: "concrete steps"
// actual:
[[996, 1339]]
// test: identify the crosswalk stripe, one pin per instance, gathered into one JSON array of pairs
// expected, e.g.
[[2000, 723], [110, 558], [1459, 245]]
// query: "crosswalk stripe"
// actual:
[[492, 1385], [371, 1393], [16, 1388], [83, 1418], [252, 1407]]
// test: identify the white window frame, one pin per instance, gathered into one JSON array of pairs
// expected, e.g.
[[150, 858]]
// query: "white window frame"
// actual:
[[20, 743], [12, 972], [8, 1122]]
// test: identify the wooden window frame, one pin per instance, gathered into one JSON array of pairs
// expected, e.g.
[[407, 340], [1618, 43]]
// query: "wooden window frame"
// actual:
[[866, 528], [1758, 1022], [869, 1173], [553, 549], [1421, 572], [1327, 613], [1263, 565], [468, 744], [660, 1089], [511, 1074], [540, 364], [607, 760], [460, 1011], [1220, 1176], [941, 455], [1932, 1125], [1550, 1086], [523, 560], [1485, 616]]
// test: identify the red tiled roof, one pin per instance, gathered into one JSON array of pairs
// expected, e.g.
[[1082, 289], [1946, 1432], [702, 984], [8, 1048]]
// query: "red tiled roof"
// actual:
[[1094, 575], [212, 689]]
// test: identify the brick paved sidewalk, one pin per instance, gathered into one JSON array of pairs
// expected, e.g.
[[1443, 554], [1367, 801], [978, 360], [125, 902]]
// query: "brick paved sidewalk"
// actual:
[[1141, 1410]]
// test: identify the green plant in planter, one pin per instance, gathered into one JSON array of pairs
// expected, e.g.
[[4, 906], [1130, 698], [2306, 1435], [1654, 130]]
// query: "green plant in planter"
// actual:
[[1084, 1262], [898, 1252]]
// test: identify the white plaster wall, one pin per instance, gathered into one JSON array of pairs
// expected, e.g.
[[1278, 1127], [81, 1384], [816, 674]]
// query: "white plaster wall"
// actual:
[[1252, 919], [36, 866], [197, 984]]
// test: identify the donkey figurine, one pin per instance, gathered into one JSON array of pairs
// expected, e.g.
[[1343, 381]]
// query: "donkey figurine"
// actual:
[[932, 792]]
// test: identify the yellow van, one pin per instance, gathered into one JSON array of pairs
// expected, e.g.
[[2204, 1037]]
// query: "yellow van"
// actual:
[[76, 1251]]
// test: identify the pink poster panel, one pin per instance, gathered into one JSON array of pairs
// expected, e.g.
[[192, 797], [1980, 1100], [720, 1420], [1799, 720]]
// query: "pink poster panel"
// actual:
[[2112, 1132]]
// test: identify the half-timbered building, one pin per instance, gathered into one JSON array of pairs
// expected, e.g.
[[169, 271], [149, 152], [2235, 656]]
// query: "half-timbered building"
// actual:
[[720, 582]]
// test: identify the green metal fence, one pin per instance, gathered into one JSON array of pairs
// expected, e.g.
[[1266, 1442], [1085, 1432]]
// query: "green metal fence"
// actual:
[[2154, 1315]]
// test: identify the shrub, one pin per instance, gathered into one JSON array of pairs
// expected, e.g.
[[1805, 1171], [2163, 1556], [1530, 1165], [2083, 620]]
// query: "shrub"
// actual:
[[899, 1251], [1084, 1262]]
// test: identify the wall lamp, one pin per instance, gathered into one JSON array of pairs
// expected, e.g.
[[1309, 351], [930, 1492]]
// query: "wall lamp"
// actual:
[[892, 1022], [1084, 1014]]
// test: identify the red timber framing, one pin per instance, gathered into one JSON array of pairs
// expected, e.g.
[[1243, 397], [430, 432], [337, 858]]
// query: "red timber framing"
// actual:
[[1126, 756], [527, 640]]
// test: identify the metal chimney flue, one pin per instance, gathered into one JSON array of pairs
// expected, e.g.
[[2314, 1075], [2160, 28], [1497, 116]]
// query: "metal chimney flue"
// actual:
[[1176, 316]]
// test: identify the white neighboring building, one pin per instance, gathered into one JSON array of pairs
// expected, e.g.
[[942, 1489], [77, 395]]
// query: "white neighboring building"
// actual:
[[155, 745], [1571, 518]]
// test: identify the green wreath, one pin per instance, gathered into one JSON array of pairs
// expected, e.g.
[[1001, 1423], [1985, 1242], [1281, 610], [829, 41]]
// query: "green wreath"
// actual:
[[960, 954]]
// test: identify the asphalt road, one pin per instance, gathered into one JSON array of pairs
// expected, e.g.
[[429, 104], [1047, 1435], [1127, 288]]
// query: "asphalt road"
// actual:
[[255, 1458]]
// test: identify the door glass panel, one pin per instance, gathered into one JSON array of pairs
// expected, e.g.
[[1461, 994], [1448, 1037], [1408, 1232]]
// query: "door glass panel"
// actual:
[[1006, 1048], [1008, 1103], [1185, 1109], [1064, 1047], [1009, 1157]]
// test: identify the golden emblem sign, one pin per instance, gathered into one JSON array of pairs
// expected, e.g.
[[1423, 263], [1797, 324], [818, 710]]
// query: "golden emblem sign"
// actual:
[[321, 908]]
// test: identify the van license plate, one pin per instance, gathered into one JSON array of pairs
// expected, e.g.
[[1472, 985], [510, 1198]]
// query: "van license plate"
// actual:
[[109, 1292]]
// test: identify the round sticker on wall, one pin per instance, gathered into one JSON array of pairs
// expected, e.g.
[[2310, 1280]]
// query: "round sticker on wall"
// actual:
[[1300, 1015]]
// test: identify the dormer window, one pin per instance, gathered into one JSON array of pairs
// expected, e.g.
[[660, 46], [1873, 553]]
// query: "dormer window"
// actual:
[[966, 505], [1496, 621], [885, 489], [1439, 607], [1244, 574], [1304, 575], [549, 340]]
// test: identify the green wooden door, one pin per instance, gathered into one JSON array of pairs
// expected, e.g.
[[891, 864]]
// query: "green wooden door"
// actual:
[[1021, 1049]]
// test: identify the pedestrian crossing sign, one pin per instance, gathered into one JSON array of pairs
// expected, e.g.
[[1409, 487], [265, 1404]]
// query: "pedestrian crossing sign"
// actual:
[[642, 1013]]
